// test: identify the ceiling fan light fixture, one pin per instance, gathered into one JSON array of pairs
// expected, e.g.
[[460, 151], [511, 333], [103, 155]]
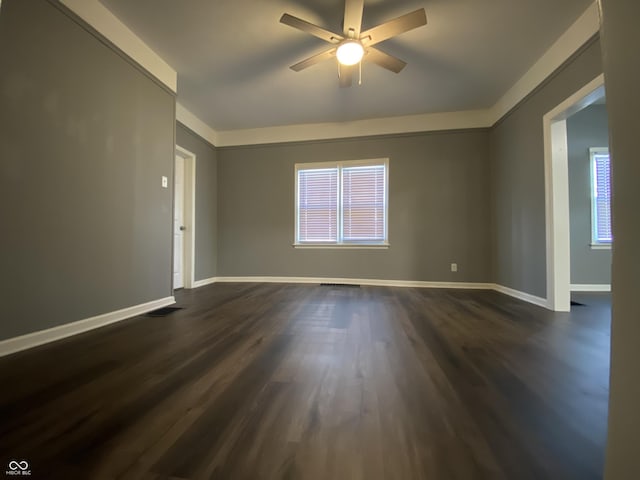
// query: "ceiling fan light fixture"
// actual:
[[350, 52]]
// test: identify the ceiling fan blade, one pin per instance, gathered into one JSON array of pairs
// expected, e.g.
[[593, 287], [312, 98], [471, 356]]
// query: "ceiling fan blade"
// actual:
[[314, 30], [346, 74], [326, 55], [384, 60], [394, 27], [353, 17]]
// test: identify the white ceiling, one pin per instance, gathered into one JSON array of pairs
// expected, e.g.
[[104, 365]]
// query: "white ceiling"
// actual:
[[232, 57]]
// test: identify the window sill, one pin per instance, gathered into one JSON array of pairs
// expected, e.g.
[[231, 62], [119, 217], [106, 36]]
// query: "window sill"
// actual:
[[342, 246], [600, 246]]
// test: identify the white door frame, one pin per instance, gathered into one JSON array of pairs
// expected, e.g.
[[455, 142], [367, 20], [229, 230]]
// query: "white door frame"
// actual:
[[556, 174], [189, 215]]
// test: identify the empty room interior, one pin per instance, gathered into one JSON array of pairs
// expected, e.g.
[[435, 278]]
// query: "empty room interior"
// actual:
[[305, 239]]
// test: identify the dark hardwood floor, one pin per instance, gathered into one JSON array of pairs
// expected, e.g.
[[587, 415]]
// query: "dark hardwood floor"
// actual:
[[255, 381]]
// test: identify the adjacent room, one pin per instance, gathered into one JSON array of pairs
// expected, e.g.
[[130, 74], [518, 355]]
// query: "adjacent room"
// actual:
[[306, 239]]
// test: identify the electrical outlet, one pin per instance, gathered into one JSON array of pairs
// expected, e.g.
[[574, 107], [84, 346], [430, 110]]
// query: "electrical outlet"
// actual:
[[454, 267], [165, 182]]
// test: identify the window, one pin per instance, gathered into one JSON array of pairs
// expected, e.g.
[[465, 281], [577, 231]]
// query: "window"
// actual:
[[601, 234], [342, 203]]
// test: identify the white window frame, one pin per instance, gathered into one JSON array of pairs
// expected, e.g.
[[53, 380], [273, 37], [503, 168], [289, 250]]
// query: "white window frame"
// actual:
[[340, 243], [596, 244]]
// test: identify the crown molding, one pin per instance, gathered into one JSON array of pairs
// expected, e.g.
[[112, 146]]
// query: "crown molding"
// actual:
[[192, 122], [108, 25], [579, 33], [357, 128], [583, 29]]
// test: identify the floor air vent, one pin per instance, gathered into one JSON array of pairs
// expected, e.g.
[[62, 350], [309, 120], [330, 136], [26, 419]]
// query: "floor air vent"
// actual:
[[349, 285], [163, 312]]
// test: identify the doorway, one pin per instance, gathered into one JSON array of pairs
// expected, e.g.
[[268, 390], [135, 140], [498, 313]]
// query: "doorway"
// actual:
[[556, 168], [184, 219]]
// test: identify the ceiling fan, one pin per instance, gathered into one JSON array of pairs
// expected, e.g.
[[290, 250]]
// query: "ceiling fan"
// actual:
[[354, 46]]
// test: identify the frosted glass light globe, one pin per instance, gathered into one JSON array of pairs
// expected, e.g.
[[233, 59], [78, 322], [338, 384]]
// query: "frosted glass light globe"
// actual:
[[350, 52]]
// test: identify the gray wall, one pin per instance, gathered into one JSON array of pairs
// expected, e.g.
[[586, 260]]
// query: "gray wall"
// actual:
[[621, 37], [438, 209], [84, 140], [586, 129], [517, 173], [206, 200]]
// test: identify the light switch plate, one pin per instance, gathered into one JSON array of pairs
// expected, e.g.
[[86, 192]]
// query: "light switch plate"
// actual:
[[454, 267], [165, 182]]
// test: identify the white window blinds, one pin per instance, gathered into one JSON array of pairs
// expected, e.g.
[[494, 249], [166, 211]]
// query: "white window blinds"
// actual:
[[601, 196], [342, 203], [318, 205], [363, 203]]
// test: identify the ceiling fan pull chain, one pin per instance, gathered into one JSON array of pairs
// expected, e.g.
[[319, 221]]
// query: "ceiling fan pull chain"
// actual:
[[360, 72]]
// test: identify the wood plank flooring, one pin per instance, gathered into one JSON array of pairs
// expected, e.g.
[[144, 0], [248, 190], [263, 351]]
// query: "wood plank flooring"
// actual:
[[279, 381]]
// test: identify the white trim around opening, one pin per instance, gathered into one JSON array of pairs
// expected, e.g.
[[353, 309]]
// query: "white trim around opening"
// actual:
[[556, 171]]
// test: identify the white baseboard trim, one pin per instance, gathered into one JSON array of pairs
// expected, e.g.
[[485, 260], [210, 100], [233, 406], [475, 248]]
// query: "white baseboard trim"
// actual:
[[34, 339], [30, 340], [355, 281], [527, 297], [577, 287], [205, 281]]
